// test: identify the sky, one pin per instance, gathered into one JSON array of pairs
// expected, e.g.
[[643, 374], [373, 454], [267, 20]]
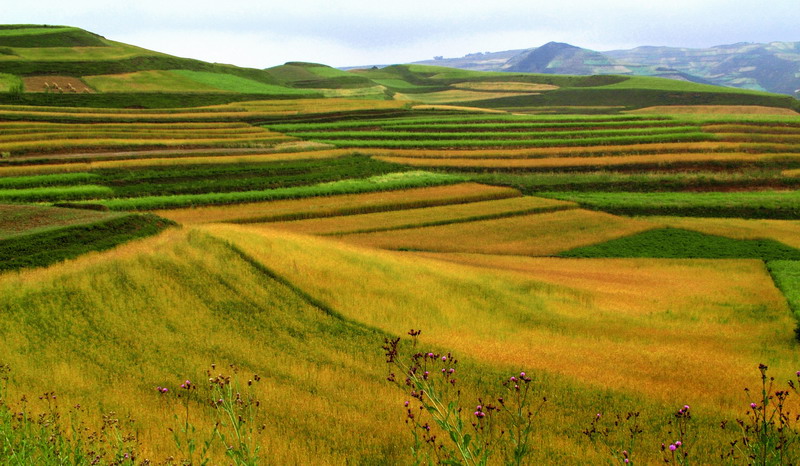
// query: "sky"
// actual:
[[266, 33]]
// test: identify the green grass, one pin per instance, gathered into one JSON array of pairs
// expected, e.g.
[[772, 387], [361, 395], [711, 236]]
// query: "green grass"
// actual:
[[674, 243], [787, 277], [230, 83], [57, 193], [750, 204], [49, 37], [387, 182], [51, 246], [57, 179], [646, 181], [661, 84], [9, 82]]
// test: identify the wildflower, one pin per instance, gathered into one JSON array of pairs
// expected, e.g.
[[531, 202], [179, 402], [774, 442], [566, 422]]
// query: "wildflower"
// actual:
[[753, 405], [522, 374], [444, 358], [513, 379], [678, 443], [673, 447], [686, 407], [405, 404]]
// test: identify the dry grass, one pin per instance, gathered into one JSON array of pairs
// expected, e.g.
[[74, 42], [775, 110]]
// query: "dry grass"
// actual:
[[106, 329], [682, 331], [785, 231], [505, 86], [340, 205], [457, 107], [714, 110], [532, 235], [409, 218]]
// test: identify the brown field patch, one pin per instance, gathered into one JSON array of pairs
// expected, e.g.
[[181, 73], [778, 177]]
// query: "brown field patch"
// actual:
[[23, 219], [348, 204], [530, 235], [57, 84]]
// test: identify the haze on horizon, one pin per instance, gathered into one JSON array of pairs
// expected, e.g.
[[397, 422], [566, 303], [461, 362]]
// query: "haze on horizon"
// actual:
[[356, 32]]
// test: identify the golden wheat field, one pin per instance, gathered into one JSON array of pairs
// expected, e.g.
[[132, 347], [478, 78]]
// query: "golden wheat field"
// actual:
[[535, 234]]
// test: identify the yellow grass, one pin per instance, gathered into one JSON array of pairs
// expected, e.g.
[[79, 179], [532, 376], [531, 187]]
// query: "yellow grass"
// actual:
[[415, 217], [792, 173], [170, 161], [454, 95], [505, 86], [714, 109], [533, 235], [688, 330], [785, 231], [571, 162], [340, 205], [106, 329], [457, 107]]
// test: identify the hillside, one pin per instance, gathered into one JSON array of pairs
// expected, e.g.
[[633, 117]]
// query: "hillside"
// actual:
[[66, 66], [598, 265], [772, 67]]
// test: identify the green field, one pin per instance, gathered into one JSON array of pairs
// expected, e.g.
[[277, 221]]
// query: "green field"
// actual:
[[587, 254]]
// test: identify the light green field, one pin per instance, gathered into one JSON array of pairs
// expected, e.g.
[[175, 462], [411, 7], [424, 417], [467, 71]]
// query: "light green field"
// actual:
[[148, 81]]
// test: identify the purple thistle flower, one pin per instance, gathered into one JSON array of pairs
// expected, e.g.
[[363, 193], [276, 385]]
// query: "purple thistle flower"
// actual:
[[678, 443], [753, 405], [672, 447], [522, 374]]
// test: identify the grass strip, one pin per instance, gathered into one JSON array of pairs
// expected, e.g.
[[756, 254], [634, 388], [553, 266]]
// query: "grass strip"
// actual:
[[49, 247], [750, 204], [376, 183], [675, 243], [58, 193], [686, 137]]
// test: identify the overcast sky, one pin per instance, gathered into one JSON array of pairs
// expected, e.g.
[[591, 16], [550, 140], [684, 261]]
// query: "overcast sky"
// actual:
[[266, 33]]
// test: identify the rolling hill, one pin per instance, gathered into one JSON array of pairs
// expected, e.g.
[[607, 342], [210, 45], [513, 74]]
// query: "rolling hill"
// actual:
[[772, 67], [598, 265]]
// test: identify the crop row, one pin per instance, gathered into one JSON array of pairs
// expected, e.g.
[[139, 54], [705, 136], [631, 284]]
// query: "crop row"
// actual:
[[709, 160], [388, 182], [424, 217], [343, 205], [610, 181], [594, 141], [193, 179], [60, 145], [471, 121], [405, 135], [750, 204]]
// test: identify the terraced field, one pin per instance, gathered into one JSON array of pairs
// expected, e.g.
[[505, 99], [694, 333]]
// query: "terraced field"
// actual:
[[630, 262]]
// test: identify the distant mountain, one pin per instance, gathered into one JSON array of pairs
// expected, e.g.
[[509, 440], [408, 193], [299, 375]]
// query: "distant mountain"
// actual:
[[773, 67]]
